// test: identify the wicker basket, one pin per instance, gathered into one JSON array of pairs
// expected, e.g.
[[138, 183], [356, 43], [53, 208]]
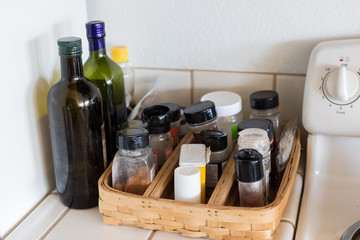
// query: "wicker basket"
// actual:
[[218, 219]]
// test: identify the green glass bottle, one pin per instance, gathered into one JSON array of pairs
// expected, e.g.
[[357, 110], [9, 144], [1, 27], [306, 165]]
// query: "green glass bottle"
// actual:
[[108, 77], [76, 127]]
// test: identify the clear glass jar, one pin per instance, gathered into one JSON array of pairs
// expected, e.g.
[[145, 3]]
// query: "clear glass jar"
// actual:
[[265, 104], [228, 107], [175, 119], [249, 175], [201, 116], [158, 119], [133, 166], [258, 139]]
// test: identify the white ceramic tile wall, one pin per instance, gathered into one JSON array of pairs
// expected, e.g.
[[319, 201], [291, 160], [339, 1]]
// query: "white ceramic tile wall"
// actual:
[[241, 83], [29, 59], [170, 85], [272, 36]]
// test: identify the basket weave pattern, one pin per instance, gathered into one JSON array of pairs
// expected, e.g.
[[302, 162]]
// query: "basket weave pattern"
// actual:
[[217, 219]]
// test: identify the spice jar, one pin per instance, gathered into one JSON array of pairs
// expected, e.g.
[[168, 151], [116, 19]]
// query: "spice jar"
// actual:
[[217, 141], [256, 138], [175, 118], [133, 166], [249, 175], [187, 184], [196, 155], [158, 119], [265, 104], [228, 108], [201, 116]]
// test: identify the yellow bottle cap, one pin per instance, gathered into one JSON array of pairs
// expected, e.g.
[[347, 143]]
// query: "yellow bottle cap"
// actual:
[[119, 54]]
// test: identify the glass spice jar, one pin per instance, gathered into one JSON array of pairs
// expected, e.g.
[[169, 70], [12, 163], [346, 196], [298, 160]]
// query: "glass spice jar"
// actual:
[[158, 119], [175, 119], [249, 175], [133, 166], [201, 116]]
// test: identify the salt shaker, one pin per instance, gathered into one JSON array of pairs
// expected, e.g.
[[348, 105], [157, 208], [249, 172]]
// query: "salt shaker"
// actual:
[[158, 119], [249, 175], [133, 166], [201, 116], [256, 138], [187, 186]]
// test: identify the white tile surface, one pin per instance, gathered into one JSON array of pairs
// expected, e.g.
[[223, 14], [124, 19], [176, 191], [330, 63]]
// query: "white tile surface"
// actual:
[[291, 91], [241, 83], [160, 235], [285, 231], [291, 209], [170, 85], [302, 164], [39, 221], [88, 224]]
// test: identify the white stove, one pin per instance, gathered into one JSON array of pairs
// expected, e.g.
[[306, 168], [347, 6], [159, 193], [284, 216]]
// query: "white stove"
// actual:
[[331, 114]]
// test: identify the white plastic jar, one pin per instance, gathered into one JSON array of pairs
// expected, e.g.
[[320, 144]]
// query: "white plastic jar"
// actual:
[[228, 107]]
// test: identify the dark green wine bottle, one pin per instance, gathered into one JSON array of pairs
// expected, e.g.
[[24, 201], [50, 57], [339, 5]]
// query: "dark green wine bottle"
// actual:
[[76, 127], [108, 77]]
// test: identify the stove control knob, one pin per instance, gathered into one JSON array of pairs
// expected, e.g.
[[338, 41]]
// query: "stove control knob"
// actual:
[[341, 85]]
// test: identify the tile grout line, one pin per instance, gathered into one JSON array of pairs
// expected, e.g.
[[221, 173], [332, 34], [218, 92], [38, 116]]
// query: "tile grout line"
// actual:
[[151, 235], [192, 83], [274, 81], [52, 226]]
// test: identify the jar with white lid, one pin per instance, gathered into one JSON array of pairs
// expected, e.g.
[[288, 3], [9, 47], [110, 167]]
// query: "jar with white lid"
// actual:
[[228, 107]]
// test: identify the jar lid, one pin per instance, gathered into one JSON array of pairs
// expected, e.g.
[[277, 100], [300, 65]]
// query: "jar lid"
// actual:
[[216, 140], [134, 123], [200, 112], [194, 155], [248, 165], [261, 123], [254, 138], [158, 119], [226, 103], [132, 138], [174, 111], [265, 99]]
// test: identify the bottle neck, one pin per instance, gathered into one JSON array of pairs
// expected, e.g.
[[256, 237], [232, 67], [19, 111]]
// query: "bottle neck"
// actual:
[[71, 68], [97, 47]]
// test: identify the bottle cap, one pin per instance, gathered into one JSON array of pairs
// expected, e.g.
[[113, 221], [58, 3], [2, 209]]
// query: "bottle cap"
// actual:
[[174, 111], [261, 123], [265, 99], [132, 138], [248, 165], [226, 103], [216, 140], [134, 123], [119, 54], [95, 29], [70, 47], [187, 184], [200, 112], [158, 119], [254, 138]]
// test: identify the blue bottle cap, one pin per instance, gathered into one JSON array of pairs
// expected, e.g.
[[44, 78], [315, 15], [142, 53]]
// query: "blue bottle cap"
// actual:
[[95, 29]]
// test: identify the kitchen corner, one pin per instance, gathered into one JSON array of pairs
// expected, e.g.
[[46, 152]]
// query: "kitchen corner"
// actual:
[[51, 220]]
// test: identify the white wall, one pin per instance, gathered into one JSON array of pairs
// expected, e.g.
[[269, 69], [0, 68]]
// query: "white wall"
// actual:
[[29, 58], [253, 36]]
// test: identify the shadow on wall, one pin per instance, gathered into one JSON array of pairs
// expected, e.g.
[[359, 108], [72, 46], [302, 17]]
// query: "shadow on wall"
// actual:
[[45, 66]]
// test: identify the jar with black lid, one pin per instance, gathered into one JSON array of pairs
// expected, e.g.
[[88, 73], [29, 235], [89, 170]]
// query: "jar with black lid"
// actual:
[[175, 119], [134, 166], [250, 177], [265, 104], [201, 116], [158, 119]]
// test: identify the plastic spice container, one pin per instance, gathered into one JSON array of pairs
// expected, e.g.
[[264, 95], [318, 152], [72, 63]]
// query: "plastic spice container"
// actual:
[[175, 118], [265, 104], [258, 139], [158, 119], [133, 167], [228, 108], [196, 155], [201, 116], [249, 175], [217, 141], [187, 185]]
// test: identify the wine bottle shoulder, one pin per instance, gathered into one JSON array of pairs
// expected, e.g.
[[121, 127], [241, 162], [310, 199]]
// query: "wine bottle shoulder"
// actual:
[[102, 68]]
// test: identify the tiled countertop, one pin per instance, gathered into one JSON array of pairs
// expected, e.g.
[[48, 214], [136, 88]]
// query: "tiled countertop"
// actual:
[[51, 220]]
